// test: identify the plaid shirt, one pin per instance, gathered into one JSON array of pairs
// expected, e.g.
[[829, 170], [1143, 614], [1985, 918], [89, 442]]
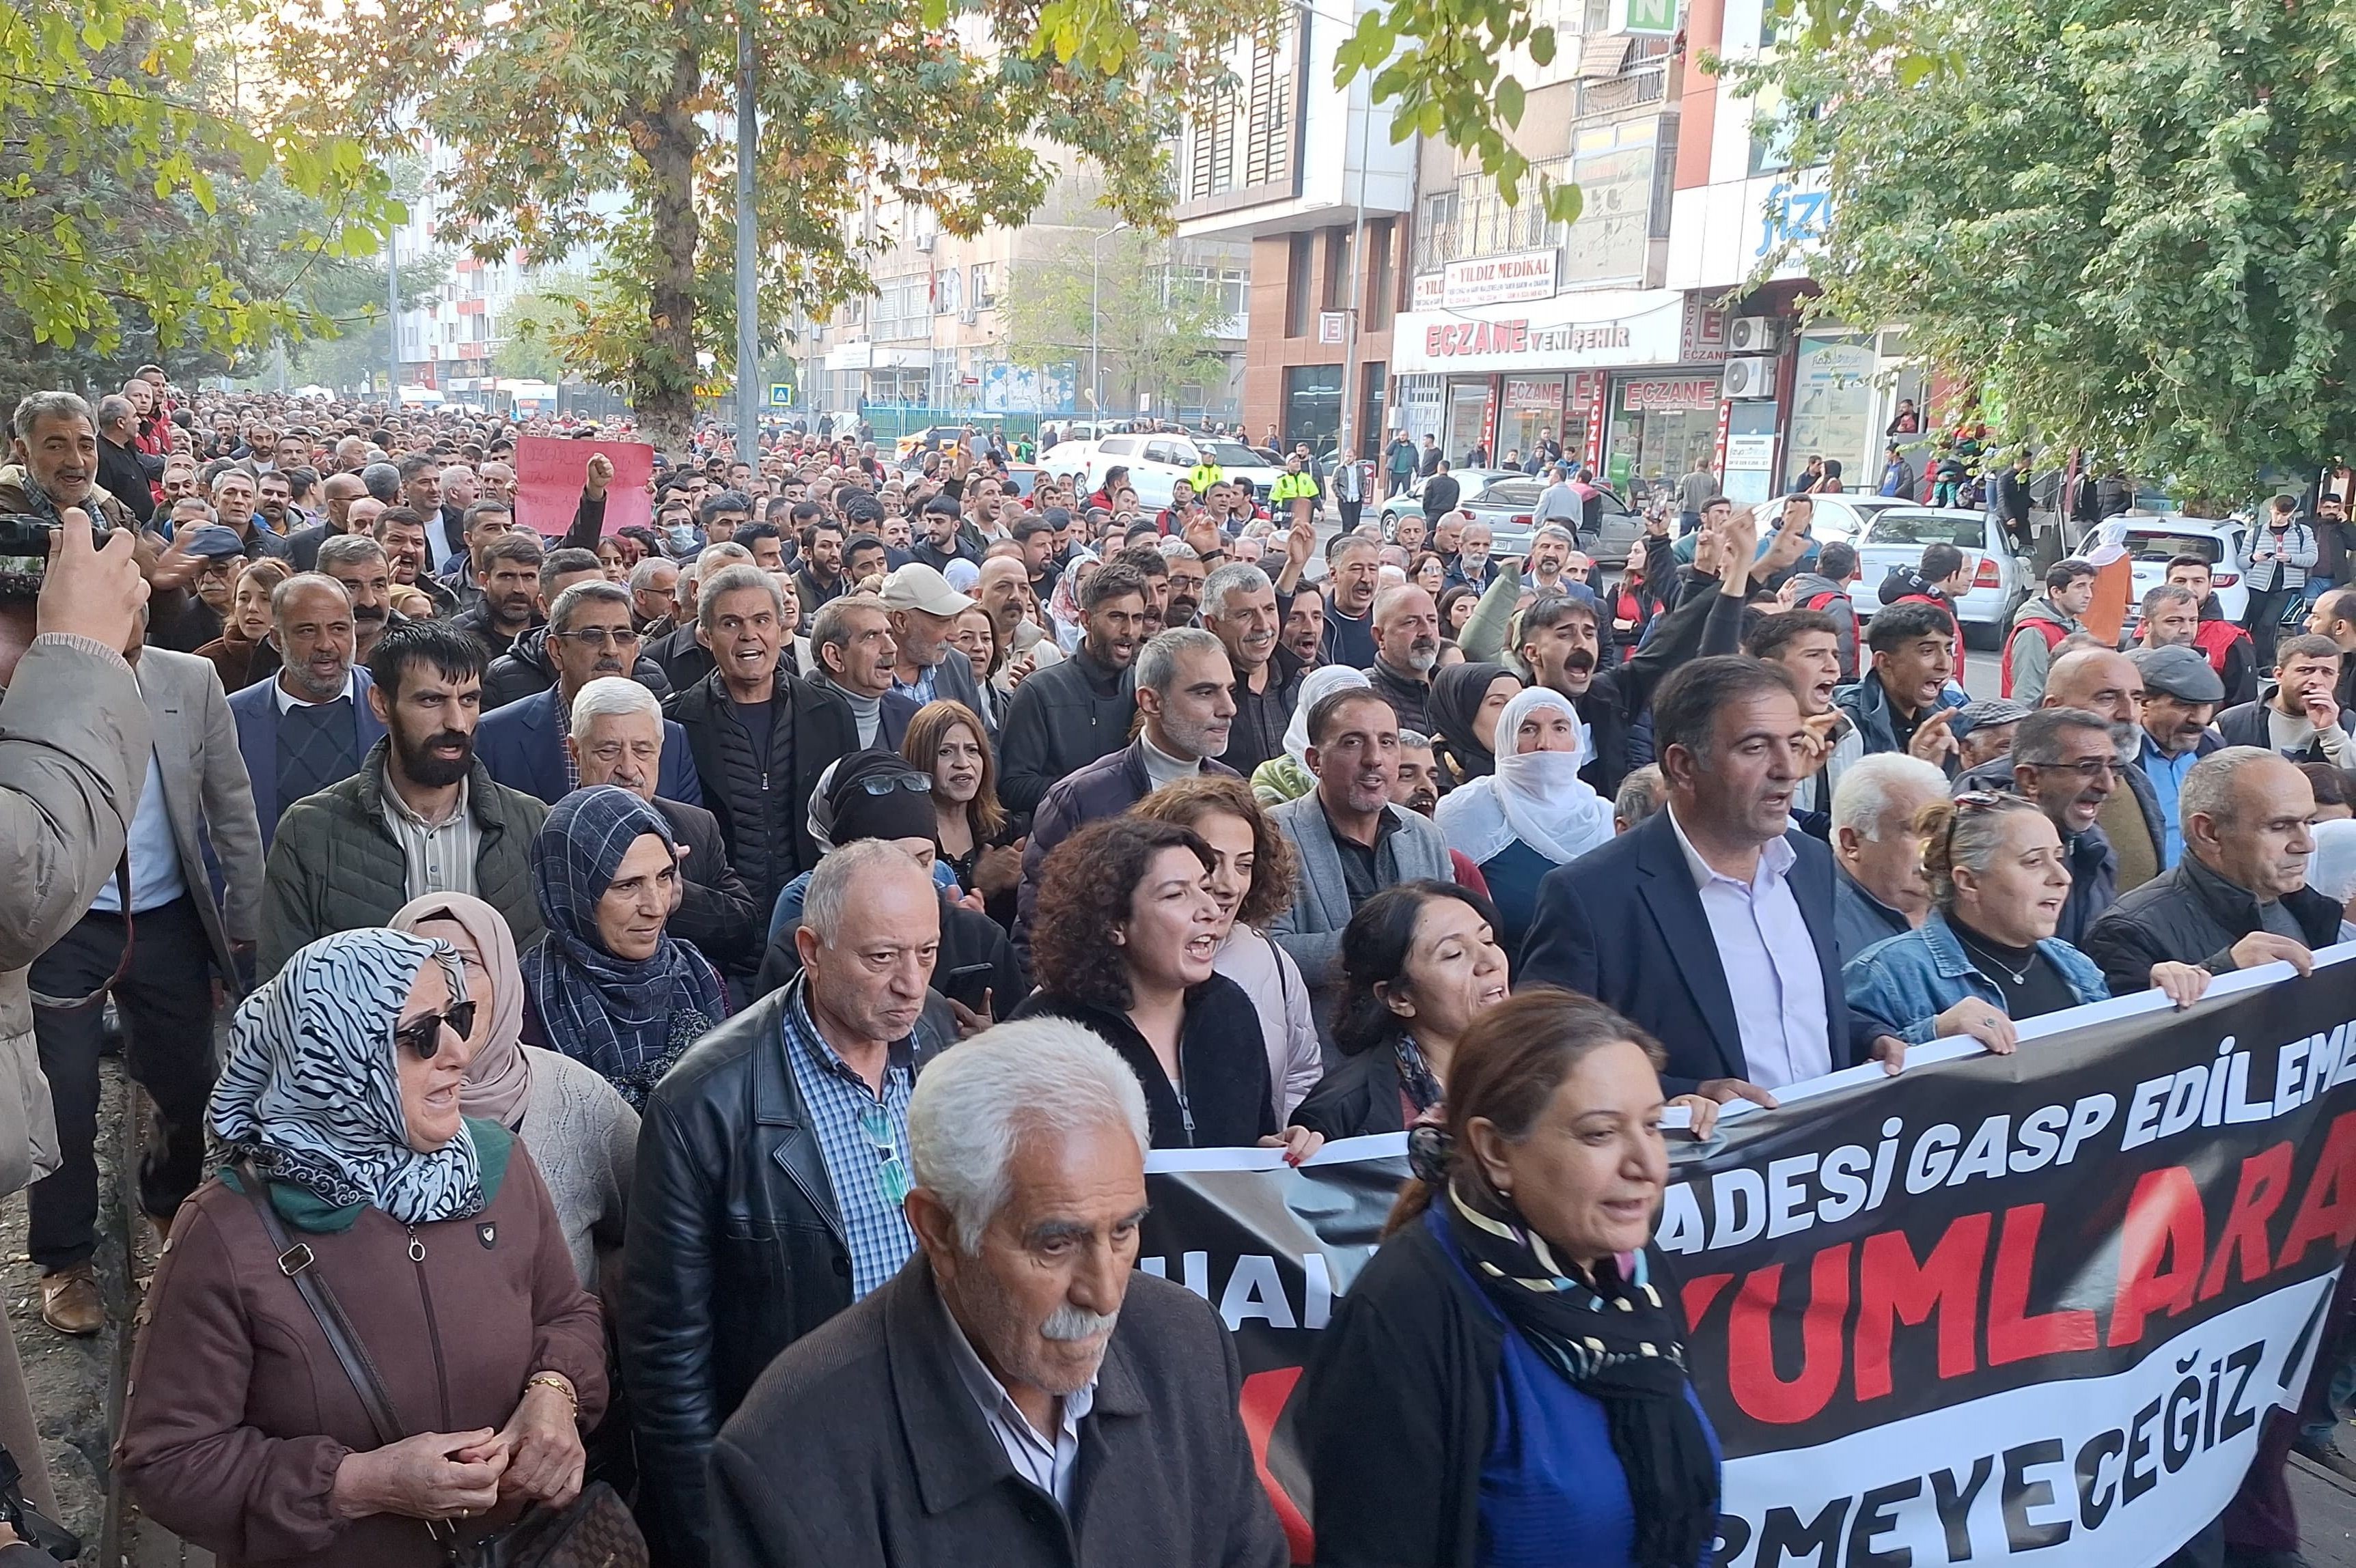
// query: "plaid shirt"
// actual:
[[873, 1225], [563, 731]]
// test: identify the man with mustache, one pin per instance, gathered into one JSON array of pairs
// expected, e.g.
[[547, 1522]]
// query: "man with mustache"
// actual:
[[422, 814], [590, 634], [1066, 717], [360, 566], [508, 568], [1022, 1353], [1417, 788], [1407, 647], [310, 724]]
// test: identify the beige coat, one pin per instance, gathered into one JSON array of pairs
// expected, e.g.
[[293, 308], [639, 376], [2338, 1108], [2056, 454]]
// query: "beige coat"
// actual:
[[74, 737]]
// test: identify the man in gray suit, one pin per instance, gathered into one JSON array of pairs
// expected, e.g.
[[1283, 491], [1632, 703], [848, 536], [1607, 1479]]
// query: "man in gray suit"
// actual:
[[1352, 841], [184, 937]]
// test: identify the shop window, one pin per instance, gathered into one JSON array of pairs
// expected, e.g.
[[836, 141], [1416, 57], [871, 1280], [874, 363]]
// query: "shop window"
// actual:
[[1312, 405]]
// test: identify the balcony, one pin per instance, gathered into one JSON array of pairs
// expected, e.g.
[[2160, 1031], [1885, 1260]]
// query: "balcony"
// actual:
[[1641, 83]]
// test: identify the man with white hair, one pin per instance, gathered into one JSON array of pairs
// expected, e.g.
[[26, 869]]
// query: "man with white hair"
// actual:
[[1879, 888], [617, 738], [1020, 1393], [772, 1163]]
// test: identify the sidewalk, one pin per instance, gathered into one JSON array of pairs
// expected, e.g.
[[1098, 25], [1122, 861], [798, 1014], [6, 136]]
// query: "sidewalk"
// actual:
[[2327, 1515]]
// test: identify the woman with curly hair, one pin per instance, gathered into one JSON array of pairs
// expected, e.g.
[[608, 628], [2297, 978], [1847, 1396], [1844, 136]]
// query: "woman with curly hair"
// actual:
[[1252, 871], [1126, 942]]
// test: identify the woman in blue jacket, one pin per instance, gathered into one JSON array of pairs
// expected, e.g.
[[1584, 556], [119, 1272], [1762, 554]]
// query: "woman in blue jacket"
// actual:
[[1986, 957]]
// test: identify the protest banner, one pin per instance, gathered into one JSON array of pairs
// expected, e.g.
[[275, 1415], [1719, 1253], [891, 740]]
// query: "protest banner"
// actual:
[[1992, 1307], [548, 472]]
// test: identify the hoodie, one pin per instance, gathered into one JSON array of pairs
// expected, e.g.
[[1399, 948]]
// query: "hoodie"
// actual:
[[2038, 626], [1809, 590]]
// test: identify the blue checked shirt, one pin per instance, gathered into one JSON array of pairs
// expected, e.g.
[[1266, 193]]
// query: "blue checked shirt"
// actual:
[[925, 686], [837, 1098]]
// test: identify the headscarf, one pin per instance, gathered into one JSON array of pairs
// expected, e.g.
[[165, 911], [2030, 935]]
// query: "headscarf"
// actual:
[[2332, 871], [1316, 686], [499, 1079], [1063, 605], [1457, 693], [841, 811], [628, 1020], [1535, 797], [311, 1091]]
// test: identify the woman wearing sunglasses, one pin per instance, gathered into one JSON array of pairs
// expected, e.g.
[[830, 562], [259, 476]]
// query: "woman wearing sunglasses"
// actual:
[[1987, 957], [341, 1109], [606, 985]]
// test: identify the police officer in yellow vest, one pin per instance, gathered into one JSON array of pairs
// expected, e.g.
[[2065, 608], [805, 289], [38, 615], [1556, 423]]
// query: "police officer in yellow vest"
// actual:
[[1293, 485], [1204, 475]]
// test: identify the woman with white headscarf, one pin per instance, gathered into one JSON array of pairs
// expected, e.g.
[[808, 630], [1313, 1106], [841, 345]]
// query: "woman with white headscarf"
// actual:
[[2332, 871], [1533, 814], [341, 1119], [1287, 777]]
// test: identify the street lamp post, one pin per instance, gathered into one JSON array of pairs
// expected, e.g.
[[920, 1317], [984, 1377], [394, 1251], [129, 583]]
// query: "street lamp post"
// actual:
[[748, 289], [1095, 335]]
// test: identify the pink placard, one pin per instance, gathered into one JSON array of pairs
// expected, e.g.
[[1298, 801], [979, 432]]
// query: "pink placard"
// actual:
[[549, 476]]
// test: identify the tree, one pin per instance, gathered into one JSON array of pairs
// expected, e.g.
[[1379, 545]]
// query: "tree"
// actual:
[[142, 209], [2132, 218], [532, 329], [1157, 322], [551, 106]]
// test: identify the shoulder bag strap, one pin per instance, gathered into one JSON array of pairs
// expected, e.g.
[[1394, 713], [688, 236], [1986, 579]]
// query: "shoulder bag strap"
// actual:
[[295, 1260]]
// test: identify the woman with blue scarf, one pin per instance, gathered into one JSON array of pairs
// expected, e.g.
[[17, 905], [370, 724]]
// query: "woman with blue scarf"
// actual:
[[606, 986], [350, 1163]]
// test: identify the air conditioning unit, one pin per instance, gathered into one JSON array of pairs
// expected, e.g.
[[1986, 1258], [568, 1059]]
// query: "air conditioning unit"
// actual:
[[1749, 378], [924, 243], [969, 314], [1753, 335]]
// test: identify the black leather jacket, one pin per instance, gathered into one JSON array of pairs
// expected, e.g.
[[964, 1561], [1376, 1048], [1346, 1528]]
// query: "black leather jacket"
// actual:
[[2191, 915], [736, 1250]]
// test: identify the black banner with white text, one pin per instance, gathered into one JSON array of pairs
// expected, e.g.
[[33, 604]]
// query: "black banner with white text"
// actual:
[[1991, 1307]]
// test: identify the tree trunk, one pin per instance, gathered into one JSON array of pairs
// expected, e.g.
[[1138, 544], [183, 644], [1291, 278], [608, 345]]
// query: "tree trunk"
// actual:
[[662, 382]]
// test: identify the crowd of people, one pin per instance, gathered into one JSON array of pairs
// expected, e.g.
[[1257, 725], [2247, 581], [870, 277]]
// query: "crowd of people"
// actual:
[[703, 993]]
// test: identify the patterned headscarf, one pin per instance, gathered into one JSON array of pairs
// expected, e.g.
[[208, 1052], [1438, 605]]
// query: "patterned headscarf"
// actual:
[[312, 1092], [628, 1020]]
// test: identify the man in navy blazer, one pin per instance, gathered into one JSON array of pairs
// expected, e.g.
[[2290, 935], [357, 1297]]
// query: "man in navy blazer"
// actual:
[[1714, 896], [524, 746], [311, 616]]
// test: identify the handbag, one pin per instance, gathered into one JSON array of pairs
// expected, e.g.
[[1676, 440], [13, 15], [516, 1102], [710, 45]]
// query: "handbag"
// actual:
[[595, 1531]]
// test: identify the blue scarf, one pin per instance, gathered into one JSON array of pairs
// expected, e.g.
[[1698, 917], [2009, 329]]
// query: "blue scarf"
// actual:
[[628, 1020]]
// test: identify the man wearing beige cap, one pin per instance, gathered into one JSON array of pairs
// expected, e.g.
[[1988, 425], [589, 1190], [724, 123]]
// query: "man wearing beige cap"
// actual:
[[924, 610]]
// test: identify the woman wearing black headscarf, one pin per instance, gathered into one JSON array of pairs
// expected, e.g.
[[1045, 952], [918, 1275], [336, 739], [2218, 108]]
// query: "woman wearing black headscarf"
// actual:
[[1465, 701], [1508, 1374]]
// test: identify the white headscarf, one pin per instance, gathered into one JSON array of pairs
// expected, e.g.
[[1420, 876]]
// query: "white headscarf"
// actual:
[[2332, 871], [1534, 797], [1317, 685]]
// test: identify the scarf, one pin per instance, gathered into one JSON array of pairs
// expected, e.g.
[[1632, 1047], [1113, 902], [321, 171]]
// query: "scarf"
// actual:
[[629, 1021], [499, 1079], [311, 1091], [1534, 797], [1617, 1342], [1457, 693], [1064, 602], [1316, 686]]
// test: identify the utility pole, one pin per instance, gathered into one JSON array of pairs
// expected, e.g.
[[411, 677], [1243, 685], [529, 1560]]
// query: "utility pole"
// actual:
[[1347, 430], [1096, 335], [748, 301], [393, 323]]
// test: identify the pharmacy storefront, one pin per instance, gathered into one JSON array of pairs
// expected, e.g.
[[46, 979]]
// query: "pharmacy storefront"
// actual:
[[1621, 379]]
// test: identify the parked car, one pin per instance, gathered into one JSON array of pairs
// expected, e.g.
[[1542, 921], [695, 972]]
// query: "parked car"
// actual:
[[1840, 516], [1507, 499], [1068, 459], [1158, 460], [1999, 580], [2154, 540]]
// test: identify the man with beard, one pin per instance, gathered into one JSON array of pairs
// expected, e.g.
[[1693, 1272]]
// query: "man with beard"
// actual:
[[1239, 608], [1550, 570], [1406, 645], [273, 500], [1559, 642], [359, 565], [1351, 566], [1417, 788], [422, 815], [924, 610], [1185, 599], [589, 635], [943, 541], [338, 492], [1304, 629], [1186, 691], [2171, 617], [479, 525], [1065, 718], [310, 724], [508, 605], [2182, 694], [1146, 559]]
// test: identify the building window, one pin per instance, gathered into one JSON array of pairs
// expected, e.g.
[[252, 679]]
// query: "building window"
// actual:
[[985, 285], [1296, 284], [1243, 137], [1339, 281], [1235, 292], [1379, 283], [1312, 405], [1435, 233]]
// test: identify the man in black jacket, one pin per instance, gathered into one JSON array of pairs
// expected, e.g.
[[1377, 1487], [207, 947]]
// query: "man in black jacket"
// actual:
[[1066, 716], [122, 468], [2239, 898], [525, 669], [908, 1429], [760, 1206], [1239, 608], [760, 738]]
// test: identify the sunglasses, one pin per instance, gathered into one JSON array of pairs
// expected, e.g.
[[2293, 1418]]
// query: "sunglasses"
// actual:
[[422, 1036], [885, 784], [891, 1172]]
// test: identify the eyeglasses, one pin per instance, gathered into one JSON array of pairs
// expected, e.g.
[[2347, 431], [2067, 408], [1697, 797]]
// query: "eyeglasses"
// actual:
[[601, 636], [890, 1174], [2090, 768], [885, 784], [423, 1035]]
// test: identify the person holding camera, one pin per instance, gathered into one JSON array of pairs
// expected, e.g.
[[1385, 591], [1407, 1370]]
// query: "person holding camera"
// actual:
[[74, 740]]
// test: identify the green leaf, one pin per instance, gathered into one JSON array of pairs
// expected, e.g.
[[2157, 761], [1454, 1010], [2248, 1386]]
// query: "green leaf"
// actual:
[[1509, 101]]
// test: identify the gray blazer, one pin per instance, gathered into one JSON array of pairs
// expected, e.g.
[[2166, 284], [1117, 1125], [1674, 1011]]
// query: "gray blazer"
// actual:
[[1310, 930], [206, 793]]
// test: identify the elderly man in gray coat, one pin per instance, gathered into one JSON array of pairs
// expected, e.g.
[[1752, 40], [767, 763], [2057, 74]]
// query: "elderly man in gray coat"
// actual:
[[1019, 1394], [1352, 841]]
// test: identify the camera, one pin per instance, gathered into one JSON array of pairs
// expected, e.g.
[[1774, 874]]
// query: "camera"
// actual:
[[32, 1526], [25, 552]]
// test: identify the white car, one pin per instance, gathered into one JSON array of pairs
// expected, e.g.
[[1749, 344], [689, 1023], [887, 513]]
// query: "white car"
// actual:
[[1068, 459], [2156, 539], [1155, 462], [1999, 581], [1838, 517]]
